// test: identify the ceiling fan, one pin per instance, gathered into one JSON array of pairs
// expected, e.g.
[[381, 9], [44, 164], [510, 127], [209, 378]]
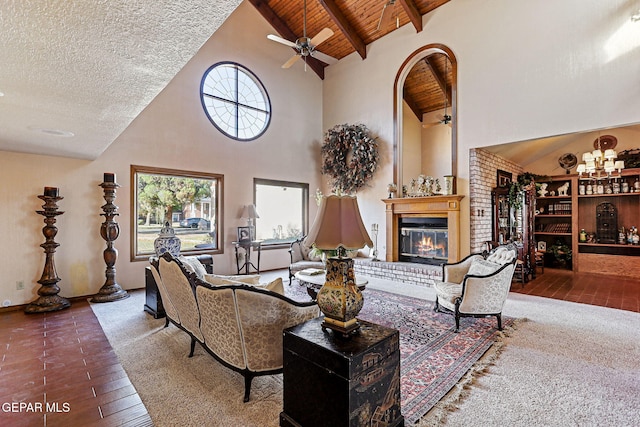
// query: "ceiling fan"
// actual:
[[446, 118], [306, 46], [387, 14]]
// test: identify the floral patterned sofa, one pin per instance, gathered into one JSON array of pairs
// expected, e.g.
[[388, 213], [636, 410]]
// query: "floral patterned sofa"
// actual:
[[478, 285], [240, 324]]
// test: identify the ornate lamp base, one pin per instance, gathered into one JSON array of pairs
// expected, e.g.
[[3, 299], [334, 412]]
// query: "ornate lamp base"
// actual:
[[47, 303], [339, 299], [110, 293]]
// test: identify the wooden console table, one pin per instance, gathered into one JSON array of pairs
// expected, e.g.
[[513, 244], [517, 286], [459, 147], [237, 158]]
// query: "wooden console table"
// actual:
[[330, 380]]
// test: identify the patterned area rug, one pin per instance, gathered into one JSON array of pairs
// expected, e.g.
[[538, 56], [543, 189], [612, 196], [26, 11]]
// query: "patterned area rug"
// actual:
[[433, 358]]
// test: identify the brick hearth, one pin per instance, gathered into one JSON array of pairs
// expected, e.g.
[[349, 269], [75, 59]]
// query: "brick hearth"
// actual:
[[405, 272]]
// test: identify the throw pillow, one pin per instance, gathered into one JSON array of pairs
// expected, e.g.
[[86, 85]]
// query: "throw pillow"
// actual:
[[273, 286], [481, 267], [192, 264]]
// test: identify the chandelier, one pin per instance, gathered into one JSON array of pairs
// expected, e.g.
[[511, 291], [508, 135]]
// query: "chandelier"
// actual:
[[601, 165]]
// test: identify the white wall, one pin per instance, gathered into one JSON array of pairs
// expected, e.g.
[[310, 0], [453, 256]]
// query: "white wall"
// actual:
[[172, 132], [525, 70], [412, 145]]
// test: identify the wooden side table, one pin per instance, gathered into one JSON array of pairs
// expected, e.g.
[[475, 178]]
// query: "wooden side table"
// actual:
[[330, 380], [247, 246]]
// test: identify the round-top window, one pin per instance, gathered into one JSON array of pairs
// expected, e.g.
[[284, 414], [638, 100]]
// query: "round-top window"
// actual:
[[235, 101]]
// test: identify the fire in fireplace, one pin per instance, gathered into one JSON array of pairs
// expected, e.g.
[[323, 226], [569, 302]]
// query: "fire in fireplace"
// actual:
[[424, 240]]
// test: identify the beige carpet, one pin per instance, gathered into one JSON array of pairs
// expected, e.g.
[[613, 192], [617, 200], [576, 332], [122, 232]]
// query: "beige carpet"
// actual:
[[570, 364]]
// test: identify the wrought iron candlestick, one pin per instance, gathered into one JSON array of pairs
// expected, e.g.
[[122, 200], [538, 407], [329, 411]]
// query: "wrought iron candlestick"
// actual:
[[49, 300], [109, 230]]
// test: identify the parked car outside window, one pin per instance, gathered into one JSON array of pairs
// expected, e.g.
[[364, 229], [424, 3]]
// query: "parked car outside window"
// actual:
[[195, 223]]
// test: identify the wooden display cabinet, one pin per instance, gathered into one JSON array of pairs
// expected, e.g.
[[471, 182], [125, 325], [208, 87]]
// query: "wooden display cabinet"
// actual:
[[604, 252], [554, 216], [511, 224]]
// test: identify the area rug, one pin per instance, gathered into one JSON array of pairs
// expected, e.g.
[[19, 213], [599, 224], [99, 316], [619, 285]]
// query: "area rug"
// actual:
[[433, 360]]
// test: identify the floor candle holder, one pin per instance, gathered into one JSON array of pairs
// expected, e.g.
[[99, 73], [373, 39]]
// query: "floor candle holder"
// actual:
[[49, 300], [110, 230]]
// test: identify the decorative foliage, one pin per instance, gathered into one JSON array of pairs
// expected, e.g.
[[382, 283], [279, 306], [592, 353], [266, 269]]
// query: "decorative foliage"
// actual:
[[525, 181], [349, 157]]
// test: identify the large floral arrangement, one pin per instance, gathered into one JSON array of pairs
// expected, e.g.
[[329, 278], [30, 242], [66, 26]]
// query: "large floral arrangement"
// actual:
[[349, 157]]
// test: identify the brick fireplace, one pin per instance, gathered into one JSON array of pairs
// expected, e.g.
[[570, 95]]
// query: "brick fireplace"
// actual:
[[430, 210]]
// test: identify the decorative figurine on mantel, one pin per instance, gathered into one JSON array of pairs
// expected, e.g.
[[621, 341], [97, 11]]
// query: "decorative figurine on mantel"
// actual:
[[109, 231], [49, 300], [392, 189]]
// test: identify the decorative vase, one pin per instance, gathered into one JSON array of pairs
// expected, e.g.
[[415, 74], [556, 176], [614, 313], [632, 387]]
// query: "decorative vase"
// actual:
[[449, 181], [167, 241], [339, 299]]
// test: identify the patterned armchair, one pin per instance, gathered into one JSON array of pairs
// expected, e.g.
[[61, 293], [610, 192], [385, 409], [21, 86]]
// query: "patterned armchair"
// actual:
[[478, 285], [302, 258]]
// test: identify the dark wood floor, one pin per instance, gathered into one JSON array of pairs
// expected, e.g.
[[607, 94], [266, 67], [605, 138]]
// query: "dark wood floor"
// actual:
[[63, 358], [58, 369], [587, 288]]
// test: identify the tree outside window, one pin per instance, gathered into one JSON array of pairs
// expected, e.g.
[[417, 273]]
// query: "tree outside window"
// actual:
[[189, 201]]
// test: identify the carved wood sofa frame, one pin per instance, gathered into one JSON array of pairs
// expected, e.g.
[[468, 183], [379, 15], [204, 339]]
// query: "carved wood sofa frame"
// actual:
[[241, 326]]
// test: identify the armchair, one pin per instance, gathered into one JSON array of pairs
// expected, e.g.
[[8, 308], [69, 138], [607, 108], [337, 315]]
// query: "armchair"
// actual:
[[302, 258], [478, 285]]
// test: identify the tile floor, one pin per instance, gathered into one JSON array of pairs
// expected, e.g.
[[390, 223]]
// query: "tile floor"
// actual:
[[63, 359], [62, 369]]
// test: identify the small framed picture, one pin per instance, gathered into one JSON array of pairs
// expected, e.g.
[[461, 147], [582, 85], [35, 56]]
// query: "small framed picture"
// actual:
[[542, 246], [244, 234], [503, 178]]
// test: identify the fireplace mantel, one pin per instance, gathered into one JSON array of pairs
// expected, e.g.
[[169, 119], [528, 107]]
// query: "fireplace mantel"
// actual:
[[424, 207]]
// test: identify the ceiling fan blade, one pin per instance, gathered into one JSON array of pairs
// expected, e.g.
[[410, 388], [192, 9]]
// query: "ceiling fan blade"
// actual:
[[281, 40], [330, 60], [291, 61], [385, 17], [323, 35]]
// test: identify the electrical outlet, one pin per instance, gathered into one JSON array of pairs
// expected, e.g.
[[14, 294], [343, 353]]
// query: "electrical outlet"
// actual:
[[19, 285]]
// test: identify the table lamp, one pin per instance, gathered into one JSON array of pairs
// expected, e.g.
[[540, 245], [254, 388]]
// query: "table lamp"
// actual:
[[338, 226], [250, 213]]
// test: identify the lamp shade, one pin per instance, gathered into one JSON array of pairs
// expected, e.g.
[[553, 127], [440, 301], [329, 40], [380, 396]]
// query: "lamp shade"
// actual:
[[338, 224], [250, 212]]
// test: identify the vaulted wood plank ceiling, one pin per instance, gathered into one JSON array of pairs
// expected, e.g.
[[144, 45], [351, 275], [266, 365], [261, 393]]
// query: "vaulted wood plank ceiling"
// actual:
[[356, 24]]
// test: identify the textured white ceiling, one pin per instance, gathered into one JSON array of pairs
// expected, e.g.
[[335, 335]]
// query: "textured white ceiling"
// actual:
[[91, 66]]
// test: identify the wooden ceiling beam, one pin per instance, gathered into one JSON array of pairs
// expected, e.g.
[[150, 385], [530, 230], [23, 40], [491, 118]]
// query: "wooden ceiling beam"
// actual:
[[413, 106], [345, 26], [440, 79], [284, 31], [412, 11]]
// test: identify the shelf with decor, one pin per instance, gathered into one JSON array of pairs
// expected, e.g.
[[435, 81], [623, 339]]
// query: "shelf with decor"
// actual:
[[554, 218], [608, 220]]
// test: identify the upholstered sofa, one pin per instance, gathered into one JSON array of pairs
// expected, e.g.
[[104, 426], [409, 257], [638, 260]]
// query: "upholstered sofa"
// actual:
[[240, 324], [478, 285]]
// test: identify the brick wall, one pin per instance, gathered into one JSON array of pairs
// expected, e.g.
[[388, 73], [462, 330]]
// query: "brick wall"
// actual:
[[483, 169]]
